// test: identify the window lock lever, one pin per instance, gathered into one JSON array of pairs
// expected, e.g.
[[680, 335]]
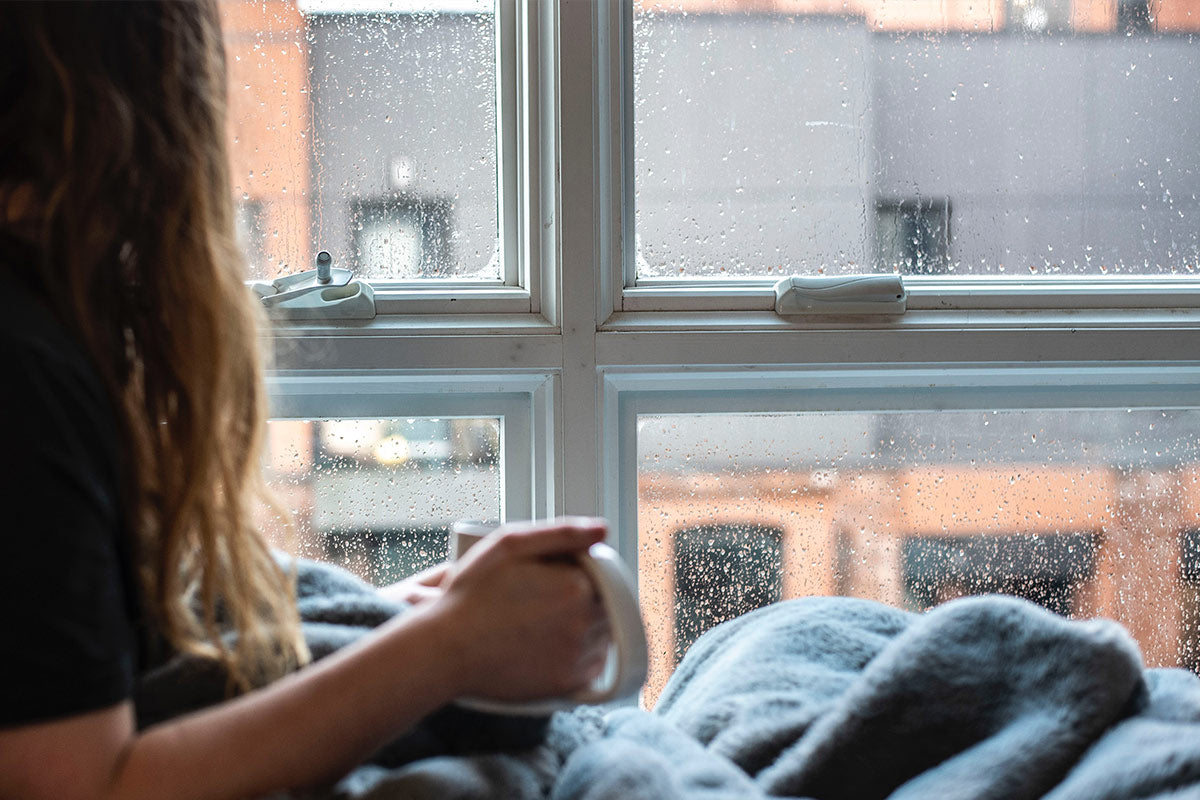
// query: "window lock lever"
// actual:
[[836, 295], [326, 292]]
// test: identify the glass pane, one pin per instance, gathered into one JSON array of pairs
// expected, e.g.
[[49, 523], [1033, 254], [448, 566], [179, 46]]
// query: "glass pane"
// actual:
[[378, 496], [367, 129], [1088, 514], [1033, 138]]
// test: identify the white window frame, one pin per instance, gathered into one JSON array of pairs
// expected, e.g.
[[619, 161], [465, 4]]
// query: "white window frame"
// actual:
[[594, 351], [868, 388], [633, 298], [522, 401], [527, 289]]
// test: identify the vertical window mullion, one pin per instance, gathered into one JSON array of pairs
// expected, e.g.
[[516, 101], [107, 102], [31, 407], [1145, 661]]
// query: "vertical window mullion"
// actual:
[[583, 194]]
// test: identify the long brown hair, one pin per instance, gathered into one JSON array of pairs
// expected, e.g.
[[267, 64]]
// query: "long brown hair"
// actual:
[[113, 131]]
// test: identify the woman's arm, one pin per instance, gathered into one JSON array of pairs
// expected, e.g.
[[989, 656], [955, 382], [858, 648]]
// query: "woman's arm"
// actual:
[[513, 624]]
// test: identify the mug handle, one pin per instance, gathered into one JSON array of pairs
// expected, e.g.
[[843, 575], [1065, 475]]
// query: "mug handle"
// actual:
[[628, 659], [625, 671]]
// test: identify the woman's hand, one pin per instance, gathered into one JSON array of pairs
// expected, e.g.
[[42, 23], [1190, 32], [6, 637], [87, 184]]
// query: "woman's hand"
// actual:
[[422, 587], [524, 620]]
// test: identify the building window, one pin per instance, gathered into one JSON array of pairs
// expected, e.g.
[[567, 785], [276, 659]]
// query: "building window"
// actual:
[[1189, 574], [1040, 16], [402, 238], [1047, 570], [722, 572], [913, 236], [384, 556], [1133, 16]]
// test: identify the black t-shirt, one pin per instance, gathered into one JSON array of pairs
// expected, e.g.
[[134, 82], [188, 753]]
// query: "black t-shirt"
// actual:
[[68, 594]]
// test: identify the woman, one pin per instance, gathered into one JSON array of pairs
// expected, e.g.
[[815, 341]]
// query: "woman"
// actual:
[[134, 392]]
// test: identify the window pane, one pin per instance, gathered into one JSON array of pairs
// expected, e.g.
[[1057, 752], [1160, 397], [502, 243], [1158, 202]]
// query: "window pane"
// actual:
[[1087, 514], [1037, 138], [378, 495], [368, 130]]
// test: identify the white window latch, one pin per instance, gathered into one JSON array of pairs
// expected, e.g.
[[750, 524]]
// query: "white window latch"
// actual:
[[846, 294], [326, 292]]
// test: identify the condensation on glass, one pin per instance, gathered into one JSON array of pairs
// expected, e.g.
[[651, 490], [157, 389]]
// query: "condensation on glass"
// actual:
[[367, 129], [378, 496], [1029, 138], [1087, 514]]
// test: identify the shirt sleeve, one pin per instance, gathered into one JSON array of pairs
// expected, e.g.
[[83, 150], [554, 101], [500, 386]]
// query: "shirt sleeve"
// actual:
[[67, 641]]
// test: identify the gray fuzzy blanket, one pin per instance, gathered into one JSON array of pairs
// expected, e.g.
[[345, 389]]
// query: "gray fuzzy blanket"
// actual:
[[829, 698]]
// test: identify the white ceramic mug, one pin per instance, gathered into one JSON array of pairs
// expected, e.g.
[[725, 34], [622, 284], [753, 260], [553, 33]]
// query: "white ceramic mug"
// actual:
[[625, 671]]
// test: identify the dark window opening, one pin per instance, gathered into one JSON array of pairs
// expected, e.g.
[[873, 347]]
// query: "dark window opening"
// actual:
[[913, 236], [1133, 16], [722, 572], [1046, 570], [1189, 578]]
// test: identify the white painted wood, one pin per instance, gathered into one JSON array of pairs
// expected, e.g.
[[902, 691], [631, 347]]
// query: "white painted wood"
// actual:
[[395, 350], [579, 252], [675, 350], [510, 133]]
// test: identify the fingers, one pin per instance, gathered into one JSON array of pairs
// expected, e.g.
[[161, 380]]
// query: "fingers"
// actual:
[[410, 592], [528, 618], [558, 537], [422, 594], [419, 588], [580, 646], [593, 651], [432, 576]]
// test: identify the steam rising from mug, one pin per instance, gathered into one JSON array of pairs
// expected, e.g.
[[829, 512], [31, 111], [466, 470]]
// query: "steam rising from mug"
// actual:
[[625, 671]]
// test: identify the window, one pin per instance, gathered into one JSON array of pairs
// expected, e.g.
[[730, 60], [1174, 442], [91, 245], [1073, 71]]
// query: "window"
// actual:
[[772, 140], [1048, 570], [1189, 573], [385, 133], [574, 214], [1044, 16], [1070, 502], [1134, 17], [404, 103], [378, 495], [403, 238], [913, 236], [722, 572]]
